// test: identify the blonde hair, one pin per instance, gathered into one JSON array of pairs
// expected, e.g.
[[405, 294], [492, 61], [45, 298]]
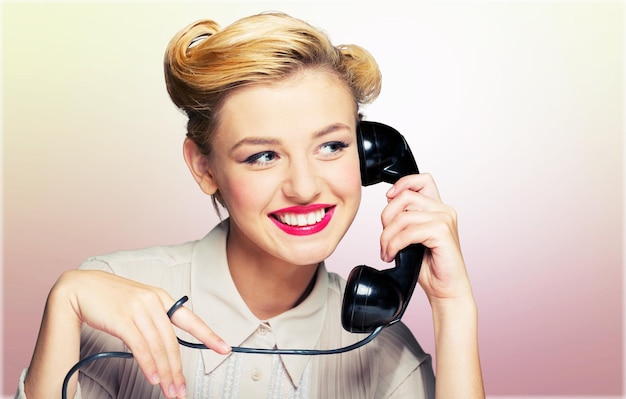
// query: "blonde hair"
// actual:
[[203, 64]]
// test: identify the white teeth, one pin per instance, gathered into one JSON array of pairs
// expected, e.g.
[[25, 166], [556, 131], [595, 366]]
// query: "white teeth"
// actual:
[[308, 219]]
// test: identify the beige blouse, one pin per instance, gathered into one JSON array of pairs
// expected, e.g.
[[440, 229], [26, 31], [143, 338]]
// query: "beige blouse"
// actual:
[[393, 365]]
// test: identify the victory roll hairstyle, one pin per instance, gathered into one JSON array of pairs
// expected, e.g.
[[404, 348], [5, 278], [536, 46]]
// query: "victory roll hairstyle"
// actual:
[[204, 63]]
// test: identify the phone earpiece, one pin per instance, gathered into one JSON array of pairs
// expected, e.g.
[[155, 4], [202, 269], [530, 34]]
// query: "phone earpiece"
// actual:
[[384, 154], [374, 298]]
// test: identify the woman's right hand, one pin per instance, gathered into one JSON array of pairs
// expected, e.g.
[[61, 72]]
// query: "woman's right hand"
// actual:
[[134, 312]]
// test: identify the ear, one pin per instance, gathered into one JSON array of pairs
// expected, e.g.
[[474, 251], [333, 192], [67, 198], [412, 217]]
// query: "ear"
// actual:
[[199, 167]]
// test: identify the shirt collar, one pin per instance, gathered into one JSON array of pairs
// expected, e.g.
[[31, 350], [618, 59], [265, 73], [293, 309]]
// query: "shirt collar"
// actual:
[[216, 300]]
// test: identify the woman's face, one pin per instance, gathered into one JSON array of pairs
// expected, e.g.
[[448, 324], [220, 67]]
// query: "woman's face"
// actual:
[[285, 161]]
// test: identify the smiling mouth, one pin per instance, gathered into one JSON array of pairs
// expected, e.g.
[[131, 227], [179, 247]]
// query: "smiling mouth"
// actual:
[[301, 219]]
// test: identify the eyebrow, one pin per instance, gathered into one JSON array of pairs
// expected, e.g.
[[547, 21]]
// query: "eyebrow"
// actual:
[[272, 141]]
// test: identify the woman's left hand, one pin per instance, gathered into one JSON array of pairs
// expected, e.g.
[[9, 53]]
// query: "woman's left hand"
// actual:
[[415, 214]]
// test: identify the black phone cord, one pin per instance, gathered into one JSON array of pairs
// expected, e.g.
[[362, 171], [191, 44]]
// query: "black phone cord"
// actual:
[[239, 349]]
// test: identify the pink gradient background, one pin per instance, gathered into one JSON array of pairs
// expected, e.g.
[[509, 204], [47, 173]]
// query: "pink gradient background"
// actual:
[[516, 108]]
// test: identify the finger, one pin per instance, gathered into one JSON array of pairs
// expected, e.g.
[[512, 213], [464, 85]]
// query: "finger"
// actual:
[[422, 183], [411, 201], [402, 232], [167, 354], [157, 332], [140, 349], [187, 320], [432, 229]]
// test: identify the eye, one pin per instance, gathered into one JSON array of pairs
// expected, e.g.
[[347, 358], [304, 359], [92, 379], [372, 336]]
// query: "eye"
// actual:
[[261, 158], [332, 148]]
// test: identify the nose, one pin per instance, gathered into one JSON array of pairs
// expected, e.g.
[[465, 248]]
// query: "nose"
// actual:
[[302, 182]]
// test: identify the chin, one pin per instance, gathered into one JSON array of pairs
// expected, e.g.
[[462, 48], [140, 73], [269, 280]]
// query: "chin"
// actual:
[[304, 259]]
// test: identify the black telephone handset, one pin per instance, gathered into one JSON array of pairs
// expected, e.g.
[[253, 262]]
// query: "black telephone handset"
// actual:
[[375, 298]]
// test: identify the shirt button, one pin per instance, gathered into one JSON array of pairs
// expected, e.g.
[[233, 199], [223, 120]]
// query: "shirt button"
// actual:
[[262, 330], [256, 374]]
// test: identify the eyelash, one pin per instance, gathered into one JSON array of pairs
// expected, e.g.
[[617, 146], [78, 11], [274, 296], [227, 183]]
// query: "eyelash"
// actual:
[[339, 145], [256, 159]]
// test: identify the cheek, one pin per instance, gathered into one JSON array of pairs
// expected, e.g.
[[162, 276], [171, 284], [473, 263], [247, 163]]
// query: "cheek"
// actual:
[[347, 180], [241, 194]]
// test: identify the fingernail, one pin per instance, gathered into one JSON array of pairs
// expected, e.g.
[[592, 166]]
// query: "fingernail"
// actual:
[[391, 190], [155, 378], [182, 392], [172, 391]]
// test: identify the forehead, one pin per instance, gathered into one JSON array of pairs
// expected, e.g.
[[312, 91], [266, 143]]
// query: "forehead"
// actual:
[[305, 101]]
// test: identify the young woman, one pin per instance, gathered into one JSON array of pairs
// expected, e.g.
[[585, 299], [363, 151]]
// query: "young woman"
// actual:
[[273, 109]]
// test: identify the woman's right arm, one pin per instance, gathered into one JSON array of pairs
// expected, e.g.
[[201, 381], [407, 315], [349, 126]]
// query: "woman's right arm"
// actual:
[[134, 312]]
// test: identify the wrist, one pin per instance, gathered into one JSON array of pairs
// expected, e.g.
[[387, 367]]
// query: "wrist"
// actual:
[[452, 313], [460, 298], [58, 344], [62, 302], [456, 346]]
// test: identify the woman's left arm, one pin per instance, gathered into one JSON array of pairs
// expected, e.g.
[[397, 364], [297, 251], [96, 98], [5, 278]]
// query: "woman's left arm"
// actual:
[[416, 214]]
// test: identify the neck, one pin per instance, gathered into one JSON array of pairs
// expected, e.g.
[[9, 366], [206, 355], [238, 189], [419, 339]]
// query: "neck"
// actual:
[[270, 288]]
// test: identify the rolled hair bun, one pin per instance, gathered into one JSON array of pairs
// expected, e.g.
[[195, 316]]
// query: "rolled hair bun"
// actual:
[[203, 62], [181, 69]]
